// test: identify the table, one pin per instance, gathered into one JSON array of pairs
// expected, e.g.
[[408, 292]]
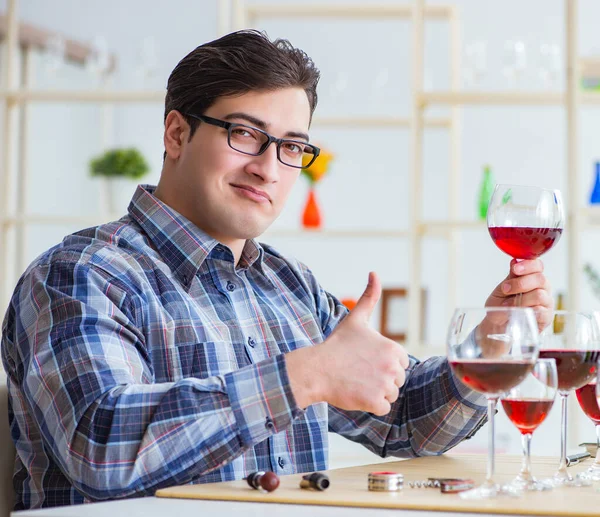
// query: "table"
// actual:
[[348, 487]]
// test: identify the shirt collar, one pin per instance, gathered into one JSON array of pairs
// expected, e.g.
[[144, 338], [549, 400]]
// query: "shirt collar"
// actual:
[[182, 245]]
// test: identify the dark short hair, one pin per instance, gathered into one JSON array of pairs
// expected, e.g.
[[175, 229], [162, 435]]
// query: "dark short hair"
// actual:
[[235, 64]]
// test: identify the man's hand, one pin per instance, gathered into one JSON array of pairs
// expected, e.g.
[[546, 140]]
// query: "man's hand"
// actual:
[[526, 277], [356, 368]]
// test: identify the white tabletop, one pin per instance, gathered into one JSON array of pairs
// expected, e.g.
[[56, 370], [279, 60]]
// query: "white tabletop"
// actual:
[[161, 507]]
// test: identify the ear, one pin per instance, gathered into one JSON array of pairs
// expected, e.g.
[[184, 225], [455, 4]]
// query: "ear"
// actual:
[[176, 134]]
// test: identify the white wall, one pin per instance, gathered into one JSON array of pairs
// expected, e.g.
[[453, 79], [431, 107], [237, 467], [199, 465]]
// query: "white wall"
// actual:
[[367, 187]]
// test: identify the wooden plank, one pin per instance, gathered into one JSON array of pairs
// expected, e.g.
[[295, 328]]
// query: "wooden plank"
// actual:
[[35, 37], [349, 488]]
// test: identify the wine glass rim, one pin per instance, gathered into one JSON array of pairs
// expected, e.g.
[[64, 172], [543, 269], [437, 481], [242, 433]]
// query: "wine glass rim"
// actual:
[[496, 309], [562, 312], [512, 185]]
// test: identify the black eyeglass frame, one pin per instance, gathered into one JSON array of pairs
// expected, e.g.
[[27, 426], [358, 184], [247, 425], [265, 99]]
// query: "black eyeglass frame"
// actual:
[[229, 126]]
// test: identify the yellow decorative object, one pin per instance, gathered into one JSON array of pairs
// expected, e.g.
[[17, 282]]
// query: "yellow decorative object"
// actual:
[[319, 168]]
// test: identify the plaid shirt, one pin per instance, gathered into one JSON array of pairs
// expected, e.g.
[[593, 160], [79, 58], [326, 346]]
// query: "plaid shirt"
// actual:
[[139, 356]]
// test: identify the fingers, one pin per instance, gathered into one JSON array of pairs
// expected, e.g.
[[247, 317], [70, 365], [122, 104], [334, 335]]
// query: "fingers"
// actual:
[[382, 408], [526, 267], [524, 284], [366, 303], [535, 298], [400, 378]]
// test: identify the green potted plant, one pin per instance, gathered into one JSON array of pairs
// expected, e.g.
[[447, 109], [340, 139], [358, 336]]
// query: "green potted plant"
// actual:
[[119, 167]]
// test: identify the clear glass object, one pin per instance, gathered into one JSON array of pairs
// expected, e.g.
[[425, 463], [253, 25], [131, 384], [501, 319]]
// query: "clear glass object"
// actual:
[[525, 222], [475, 63], [514, 62], [588, 401], [573, 340], [492, 350], [527, 405]]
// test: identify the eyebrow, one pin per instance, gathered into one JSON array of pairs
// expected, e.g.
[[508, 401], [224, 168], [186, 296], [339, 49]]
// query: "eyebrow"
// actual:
[[261, 124]]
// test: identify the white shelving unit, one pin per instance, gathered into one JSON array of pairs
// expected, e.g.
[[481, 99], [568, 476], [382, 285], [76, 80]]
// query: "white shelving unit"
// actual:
[[234, 14]]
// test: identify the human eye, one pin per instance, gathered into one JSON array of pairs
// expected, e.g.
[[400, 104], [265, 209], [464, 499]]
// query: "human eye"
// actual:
[[243, 132], [292, 148]]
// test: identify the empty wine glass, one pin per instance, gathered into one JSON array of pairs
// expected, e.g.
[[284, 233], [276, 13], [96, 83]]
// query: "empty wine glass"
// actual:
[[550, 64], [475, 62], [515, 61], [491, 350], [527, 406], [586, 396], [525, 222], [574, 342]]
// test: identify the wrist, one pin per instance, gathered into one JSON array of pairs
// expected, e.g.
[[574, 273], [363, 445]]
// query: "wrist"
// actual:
[[305, 375]]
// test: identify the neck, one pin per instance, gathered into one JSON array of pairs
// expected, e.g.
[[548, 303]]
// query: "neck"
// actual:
[[235, 245]]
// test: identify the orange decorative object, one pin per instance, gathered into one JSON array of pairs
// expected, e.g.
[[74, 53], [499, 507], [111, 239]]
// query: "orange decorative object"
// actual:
[[350, 303], [311, 217]]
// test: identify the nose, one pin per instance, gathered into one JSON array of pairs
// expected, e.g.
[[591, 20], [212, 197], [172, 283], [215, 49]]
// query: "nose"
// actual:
[[266, 166]]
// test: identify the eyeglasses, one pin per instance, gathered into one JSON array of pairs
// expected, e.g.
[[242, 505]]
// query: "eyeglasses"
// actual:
[[254, 142]]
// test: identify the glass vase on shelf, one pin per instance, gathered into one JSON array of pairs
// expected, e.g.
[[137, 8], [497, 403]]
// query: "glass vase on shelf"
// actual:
[[485, 192], [312, 218], [595, 195]]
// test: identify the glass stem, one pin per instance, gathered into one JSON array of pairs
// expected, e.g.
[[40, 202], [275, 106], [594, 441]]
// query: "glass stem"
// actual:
[[491, 409], [562, 468], [526, 443]]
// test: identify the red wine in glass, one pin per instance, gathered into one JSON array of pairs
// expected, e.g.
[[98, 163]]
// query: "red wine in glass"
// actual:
[[523, 242], [590, 403], [527, 414], [586, 395], [575, 367], [491, 376]]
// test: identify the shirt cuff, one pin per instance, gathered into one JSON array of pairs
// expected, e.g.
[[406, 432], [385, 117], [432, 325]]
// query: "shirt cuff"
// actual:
[[262, 400]]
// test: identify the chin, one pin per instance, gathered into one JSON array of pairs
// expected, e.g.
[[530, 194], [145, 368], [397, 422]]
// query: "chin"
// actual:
[[251, 229]]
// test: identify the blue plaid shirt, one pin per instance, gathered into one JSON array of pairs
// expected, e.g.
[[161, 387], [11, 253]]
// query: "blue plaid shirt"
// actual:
[[139, 356]]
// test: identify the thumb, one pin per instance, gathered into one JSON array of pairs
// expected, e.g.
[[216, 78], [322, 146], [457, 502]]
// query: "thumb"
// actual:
[[366, 303]]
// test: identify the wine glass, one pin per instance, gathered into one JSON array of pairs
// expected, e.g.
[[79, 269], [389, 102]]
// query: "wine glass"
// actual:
[[525, 222], [573, 340], [491, 350], [515, 61], [527, 406], [586, 395]]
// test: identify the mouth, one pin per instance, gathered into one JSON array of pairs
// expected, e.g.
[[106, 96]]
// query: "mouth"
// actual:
[[252, 192]]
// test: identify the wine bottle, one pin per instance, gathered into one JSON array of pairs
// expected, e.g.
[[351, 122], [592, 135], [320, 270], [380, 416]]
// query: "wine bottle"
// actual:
[[559, 320], [485, 192]]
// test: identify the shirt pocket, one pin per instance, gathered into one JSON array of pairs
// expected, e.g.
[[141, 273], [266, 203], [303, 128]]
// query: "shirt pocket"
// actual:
[[200, 360]]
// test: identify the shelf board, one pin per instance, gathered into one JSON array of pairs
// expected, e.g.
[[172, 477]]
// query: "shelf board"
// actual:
[[133, 96], [515, 98], [493, 98], [363, 233], [346, 233], [346, 10], [381, 121], [443, 228]]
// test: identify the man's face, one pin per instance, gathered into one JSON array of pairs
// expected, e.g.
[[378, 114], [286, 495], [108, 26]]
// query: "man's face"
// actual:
[[230, 195]]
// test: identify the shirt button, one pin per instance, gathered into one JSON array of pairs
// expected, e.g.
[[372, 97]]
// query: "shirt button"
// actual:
[[251, 342], [185, 279], [269, 423], [230, 286], [281, 462]]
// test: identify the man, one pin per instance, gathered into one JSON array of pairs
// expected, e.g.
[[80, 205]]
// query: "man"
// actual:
[[170, 347]]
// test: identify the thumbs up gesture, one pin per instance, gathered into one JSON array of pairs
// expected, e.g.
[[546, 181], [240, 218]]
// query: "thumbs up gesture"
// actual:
[[356, 368]]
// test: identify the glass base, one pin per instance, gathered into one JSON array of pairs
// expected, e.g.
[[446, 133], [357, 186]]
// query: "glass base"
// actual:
[[490, 491], [530, 484], [591, 474], [565, 479]]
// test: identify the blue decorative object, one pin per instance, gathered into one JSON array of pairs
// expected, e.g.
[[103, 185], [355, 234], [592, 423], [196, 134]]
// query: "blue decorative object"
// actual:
[[595, 197]]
